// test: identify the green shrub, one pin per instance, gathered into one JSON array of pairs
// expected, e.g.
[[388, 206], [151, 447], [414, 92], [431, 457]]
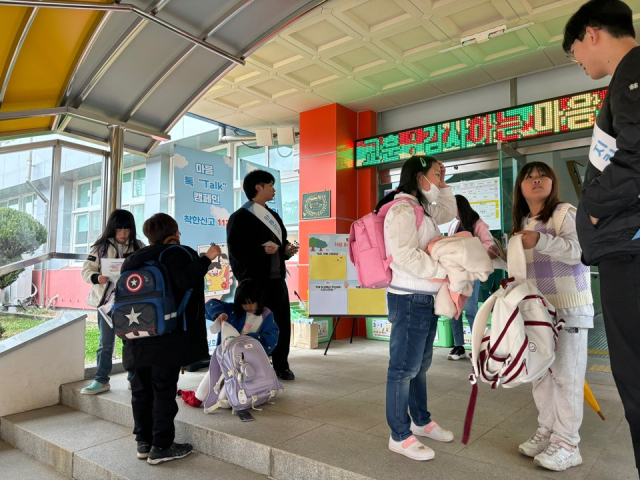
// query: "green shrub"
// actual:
[[20, 233], [1, 331]]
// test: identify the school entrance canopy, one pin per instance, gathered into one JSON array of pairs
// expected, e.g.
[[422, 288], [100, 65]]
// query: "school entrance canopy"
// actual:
[[87, 69]]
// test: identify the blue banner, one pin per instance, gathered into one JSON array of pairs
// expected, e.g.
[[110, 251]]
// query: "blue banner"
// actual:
[[276, 203], [203, 185]]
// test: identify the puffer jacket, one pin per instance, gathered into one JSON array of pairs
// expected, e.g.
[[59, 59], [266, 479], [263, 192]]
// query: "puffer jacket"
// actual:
[[91, 269], [412, 268], [612, 180]]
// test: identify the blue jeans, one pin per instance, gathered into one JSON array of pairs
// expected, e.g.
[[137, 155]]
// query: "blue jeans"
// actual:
[[411, 349], [104, 353], [471, 310]]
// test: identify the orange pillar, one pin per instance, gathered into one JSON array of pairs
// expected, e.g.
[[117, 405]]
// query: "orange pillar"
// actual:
[[327, 137]]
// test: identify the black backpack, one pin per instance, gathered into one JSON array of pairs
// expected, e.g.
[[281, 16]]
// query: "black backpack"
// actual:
[[144, 304]]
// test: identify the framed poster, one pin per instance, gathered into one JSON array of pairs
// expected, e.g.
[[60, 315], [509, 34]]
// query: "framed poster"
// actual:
[[316, 205]]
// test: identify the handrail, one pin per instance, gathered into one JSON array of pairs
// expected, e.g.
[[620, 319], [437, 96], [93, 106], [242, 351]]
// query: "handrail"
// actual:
[[12, 267]]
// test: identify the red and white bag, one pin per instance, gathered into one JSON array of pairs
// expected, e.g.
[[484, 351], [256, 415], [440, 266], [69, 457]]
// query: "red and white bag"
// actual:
[[519, 346]]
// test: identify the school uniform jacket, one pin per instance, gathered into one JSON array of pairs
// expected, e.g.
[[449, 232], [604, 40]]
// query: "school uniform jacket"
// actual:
[[246, 235], [612, 181]]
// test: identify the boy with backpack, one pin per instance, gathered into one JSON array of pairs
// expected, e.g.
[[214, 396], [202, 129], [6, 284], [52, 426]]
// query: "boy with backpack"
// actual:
[[155, 360]]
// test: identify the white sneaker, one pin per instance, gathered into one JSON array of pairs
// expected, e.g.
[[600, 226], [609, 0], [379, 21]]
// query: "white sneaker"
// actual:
[[433, 431], [412, 448], [536, 444], [558, 457]]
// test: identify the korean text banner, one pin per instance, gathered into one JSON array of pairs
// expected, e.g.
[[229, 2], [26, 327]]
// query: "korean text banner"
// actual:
[[276, 203], [203, 185]]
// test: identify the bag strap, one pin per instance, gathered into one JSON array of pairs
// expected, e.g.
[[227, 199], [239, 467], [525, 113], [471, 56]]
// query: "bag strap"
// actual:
[[418, 210], [558, 217], [516, 261]]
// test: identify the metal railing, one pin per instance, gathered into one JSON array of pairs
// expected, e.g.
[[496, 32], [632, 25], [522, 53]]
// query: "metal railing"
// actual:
[[12, 267]]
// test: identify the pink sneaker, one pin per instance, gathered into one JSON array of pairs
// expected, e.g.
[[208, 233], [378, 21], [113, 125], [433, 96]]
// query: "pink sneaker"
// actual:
[[433, 431], [411, 448]]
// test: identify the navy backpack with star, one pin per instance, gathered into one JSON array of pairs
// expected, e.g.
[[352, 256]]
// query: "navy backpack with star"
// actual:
[[144, 304]]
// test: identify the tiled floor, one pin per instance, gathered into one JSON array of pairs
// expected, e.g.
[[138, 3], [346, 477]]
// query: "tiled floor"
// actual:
[[334, 413], [344, 394]]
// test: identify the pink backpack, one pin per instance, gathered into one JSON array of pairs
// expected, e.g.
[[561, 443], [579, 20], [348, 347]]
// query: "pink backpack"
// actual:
[[366, 246]]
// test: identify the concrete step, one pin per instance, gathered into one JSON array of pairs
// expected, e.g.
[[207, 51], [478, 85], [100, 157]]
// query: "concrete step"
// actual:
[[65, 443], [251, 445], [17, 465]]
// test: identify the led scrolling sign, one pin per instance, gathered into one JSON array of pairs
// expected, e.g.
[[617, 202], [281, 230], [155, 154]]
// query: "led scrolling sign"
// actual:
[[559, 115]]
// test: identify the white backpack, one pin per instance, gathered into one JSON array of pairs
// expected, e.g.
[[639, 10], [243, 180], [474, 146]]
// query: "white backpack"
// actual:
[[519, 346]]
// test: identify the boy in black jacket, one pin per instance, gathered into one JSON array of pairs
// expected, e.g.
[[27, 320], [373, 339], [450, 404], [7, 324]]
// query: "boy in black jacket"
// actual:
[[258, 247], [155, 362], [601, 38]]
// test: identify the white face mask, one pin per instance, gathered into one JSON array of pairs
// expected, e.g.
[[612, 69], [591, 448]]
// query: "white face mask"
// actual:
[[432, 194]]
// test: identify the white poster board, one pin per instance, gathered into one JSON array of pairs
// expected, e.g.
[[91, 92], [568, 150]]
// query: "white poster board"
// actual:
[[333, 282], [484, 197]]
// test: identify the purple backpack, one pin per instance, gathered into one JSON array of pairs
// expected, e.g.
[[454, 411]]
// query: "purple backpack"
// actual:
[[243, 370]]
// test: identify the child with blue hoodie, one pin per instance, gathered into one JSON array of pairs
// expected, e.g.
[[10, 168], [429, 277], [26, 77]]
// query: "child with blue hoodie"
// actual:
[[248, 316]]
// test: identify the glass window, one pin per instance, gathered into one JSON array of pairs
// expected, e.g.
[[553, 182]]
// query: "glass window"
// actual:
[[138, 182], [82, 195], [138, 215], [126, 187], [28, 204], [4, 204], [96, 192], [281, 158], [82, 230], [290, 202], [14, 203], [252, 154], [96, 229]]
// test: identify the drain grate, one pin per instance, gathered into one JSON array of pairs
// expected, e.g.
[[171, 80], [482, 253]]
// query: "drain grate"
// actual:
[[597, 344]]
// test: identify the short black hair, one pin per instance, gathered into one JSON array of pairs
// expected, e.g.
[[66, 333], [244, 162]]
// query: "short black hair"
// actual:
[[613, 16], [248, 291], [253, 179]]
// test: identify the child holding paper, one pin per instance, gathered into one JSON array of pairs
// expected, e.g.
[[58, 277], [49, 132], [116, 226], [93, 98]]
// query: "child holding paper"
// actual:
[[118, 240]]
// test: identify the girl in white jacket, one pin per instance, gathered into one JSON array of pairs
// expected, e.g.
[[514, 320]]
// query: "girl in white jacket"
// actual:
[[548, 229], [410, 299], [118, 240]]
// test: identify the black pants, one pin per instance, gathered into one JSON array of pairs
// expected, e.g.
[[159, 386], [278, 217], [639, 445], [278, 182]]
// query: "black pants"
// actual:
[[153, 399], [620, 289], [276, 298]]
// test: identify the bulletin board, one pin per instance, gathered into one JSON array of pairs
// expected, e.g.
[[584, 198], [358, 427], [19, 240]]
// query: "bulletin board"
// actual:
[[334, 289]]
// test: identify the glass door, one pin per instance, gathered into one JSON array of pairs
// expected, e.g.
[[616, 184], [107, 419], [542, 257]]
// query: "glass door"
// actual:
[[510, 161]]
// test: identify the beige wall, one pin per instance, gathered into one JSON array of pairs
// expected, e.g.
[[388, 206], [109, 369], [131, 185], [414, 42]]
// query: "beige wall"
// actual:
[[30, 376]]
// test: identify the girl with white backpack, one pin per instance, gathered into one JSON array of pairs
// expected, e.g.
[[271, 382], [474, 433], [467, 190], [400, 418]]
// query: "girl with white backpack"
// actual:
[[554, 266]]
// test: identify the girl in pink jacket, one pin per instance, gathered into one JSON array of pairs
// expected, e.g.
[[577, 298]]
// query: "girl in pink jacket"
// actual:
[[468, 221]]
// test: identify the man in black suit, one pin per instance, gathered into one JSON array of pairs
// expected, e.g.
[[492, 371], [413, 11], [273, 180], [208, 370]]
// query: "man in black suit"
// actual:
[[258, 248]]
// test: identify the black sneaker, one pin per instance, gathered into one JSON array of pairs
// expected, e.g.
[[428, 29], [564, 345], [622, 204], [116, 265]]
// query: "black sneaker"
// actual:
[[457, 353], [143, 449], [285, 374], [174, 452]]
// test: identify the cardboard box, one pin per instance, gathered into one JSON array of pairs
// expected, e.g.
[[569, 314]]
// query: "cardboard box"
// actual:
[[305, 335]]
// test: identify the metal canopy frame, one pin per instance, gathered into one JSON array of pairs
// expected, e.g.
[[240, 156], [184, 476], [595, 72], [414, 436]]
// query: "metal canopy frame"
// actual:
[[83, 81], [93, 117], [126, 8], [228, 15], [15, 53]]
